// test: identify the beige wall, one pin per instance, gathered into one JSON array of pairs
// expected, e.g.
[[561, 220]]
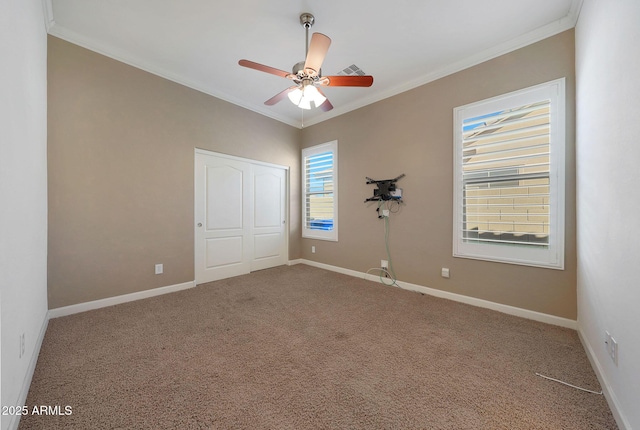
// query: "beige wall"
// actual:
[[121, 177], [412, 133], [121, 153]]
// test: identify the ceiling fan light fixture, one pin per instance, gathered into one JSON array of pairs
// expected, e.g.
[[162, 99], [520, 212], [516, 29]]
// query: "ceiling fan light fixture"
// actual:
[[303, 97], [295, 96], [307, 74]]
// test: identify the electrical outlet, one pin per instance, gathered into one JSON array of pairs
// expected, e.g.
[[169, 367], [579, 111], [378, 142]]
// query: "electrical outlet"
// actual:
[[159, 269], [613, 350], [385, 212], [445, 272], [384, 265], [611, 346], [22, 346], [313, 249]]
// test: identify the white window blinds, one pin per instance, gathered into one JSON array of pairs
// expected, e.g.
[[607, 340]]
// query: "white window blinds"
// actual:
[[505, 169], [509, 177], [319, 212]]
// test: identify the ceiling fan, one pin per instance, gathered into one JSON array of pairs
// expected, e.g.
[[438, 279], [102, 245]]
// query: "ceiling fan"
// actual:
[[307, 75]]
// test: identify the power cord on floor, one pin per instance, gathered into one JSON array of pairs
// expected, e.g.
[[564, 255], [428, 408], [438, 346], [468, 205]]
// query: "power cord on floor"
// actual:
[[570, 385], [382, 279]]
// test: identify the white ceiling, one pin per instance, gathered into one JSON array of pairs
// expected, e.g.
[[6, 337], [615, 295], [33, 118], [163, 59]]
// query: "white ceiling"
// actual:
[[402, 43]]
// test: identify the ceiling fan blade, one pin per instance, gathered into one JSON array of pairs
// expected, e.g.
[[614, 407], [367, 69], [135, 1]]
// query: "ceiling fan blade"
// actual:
[[326, 106], [317, 51], [267, 69], [346, 81], [280, 96]]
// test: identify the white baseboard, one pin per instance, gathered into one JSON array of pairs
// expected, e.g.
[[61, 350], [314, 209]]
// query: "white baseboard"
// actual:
[[26, 384], [110, 301], [609, 394], [511, 310], [294, 262]]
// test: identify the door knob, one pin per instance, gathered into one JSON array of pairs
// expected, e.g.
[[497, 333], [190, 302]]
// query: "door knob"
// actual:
[[199, 224]]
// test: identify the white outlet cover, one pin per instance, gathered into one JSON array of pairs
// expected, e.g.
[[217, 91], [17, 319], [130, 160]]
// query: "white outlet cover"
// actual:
[[159, 269], [614, 350]]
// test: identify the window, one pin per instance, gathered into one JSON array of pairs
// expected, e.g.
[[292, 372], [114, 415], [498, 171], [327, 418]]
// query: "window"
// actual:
[[319, 182], [509, 177]]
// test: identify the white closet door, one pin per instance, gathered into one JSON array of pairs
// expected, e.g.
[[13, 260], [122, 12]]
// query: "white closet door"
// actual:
[[240, 216], [223, 222], [269, 217]]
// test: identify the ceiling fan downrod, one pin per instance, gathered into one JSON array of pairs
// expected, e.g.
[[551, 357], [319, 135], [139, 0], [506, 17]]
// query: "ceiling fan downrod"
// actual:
[[307, 75], [306, 20]]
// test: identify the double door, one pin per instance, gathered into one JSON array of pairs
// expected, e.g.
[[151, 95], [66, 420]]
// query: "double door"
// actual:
[[240, 216]]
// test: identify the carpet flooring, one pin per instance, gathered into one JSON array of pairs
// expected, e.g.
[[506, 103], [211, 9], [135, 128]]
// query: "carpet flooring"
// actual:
[[303, 348]]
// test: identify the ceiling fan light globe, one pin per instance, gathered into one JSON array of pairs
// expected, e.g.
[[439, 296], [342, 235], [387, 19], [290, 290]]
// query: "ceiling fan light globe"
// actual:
[[304, 104], [305, 96], [312, 94], [295, 96]]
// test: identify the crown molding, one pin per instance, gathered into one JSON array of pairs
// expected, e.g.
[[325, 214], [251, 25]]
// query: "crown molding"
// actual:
[[574, 11], [124, 57], [566, 23], [47, 9]]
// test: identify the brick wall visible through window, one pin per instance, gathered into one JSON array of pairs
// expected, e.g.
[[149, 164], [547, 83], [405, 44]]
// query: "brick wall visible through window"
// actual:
[[509, 177]]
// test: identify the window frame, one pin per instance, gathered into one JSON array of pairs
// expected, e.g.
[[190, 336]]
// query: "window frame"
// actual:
[[552, 256], [330, 235]]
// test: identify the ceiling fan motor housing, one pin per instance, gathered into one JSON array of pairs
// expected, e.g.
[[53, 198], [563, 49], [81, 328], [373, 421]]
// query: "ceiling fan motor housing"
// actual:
[[307, 20], [298, 70], [307, 74]]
